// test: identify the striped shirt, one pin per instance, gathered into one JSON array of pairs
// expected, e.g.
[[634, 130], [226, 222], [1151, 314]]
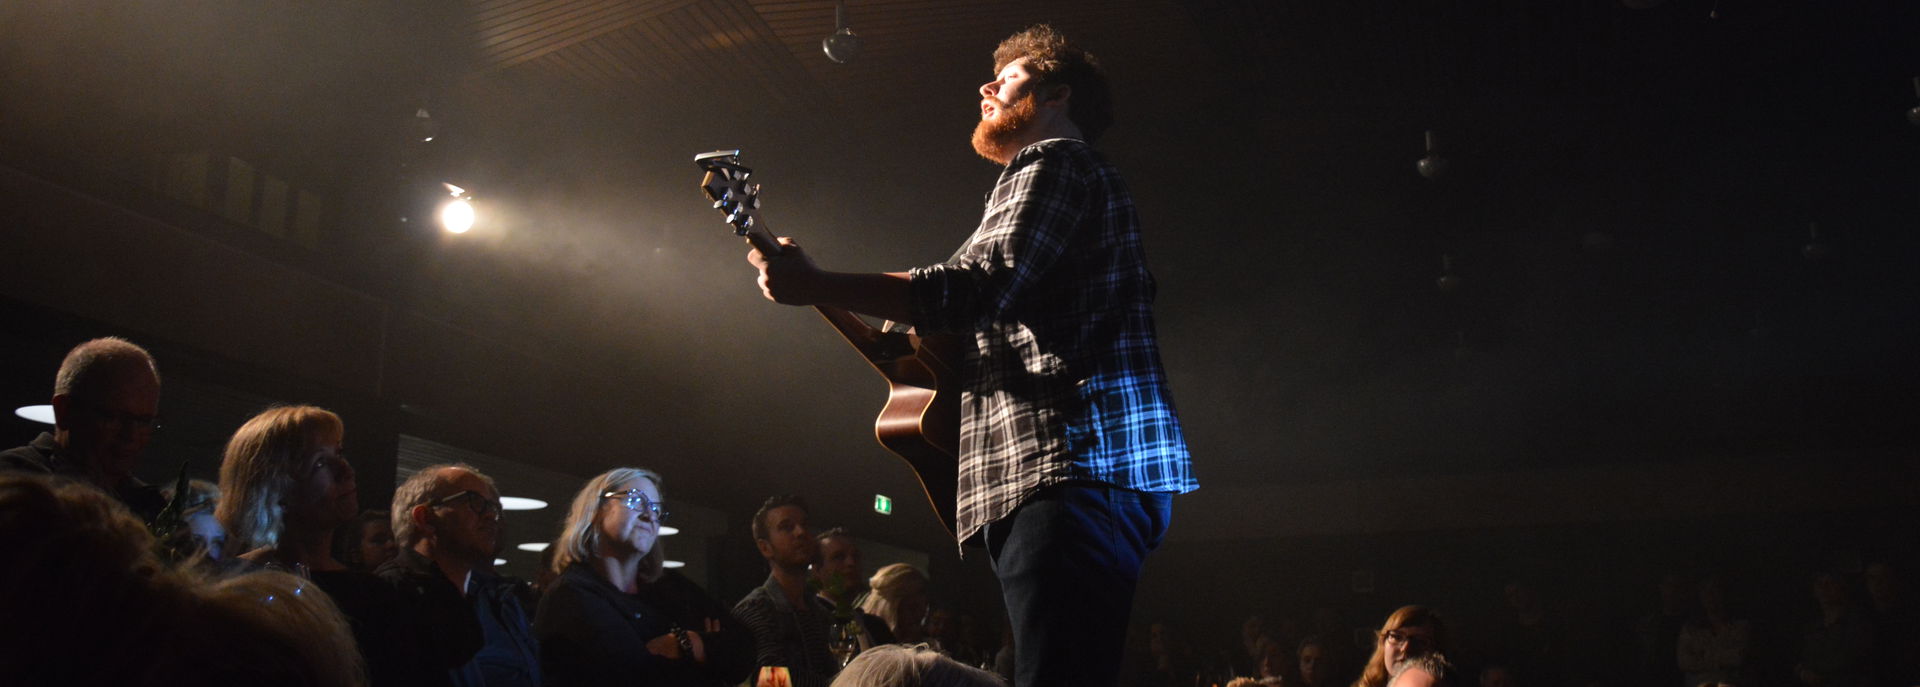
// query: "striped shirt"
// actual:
[[1064, 382]]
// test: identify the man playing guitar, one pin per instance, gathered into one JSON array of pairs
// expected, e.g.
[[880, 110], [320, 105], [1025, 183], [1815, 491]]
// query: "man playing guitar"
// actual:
[[1070, 449]]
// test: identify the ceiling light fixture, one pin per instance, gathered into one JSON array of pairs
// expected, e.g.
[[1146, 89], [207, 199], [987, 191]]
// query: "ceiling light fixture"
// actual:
[[497, 562], [42, 414], [668, 530], [534, 546], [842, 46], [457, 215], [521, 503], [674, 564]]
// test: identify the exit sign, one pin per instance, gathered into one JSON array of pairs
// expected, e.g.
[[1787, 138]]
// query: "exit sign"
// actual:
[[882, 504]]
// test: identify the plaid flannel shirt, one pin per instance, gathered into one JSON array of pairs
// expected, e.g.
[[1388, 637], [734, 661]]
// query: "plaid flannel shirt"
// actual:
[[1064, 382]]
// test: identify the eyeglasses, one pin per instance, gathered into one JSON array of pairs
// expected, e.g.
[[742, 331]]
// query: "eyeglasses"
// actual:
[[475, 501], [1398, 636], [120, 419], [637, 500]]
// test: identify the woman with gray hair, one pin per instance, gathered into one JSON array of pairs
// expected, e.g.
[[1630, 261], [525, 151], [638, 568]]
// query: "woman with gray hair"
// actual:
[[615, 615], [899, 596], [899, 665], [286, 488]]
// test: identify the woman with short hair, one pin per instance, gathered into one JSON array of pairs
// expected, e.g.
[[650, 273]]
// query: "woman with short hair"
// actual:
[[899, 596], [615, 615]]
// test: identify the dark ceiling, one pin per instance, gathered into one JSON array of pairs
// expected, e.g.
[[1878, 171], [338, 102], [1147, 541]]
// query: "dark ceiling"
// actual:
[[1626, 215]]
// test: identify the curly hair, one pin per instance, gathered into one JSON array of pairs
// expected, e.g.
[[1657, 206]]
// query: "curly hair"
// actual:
[[1051, 61]]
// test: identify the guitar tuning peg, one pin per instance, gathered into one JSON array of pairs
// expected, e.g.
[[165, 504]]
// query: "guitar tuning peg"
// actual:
[[720, 204]]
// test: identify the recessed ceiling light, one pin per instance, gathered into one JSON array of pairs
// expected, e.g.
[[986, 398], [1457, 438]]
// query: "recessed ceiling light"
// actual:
[[499, 561], [521, 503], [666, 530], [42, 414], [674, 564], [534, 546]]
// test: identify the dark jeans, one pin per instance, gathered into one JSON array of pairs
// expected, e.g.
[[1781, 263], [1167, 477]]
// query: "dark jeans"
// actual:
[[1068, 560]]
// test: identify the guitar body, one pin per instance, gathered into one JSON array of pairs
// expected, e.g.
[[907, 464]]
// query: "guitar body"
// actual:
[[921, 421]]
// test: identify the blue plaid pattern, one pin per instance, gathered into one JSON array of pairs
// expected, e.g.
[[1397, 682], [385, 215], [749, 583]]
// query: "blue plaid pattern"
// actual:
[[1065, 381]]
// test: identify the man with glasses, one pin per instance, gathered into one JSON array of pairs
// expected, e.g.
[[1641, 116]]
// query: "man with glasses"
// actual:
[[446, 519], [106, 404]]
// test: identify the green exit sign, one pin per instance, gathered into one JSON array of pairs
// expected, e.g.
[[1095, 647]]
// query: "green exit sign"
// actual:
[[882, 504]]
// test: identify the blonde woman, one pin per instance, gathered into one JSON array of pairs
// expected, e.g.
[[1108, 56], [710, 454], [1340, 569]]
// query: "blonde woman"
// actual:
[[899, 596], [615, 615], [286, 488]]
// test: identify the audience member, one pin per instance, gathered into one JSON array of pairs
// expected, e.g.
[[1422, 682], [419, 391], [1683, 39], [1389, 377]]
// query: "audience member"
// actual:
[[106, 404], [202, 537], [1838, 644], [789, 628], [1170, 661], [87, 602], [1270, 666], [1659, 632], [1713, 646], [899, 665], [1531, 640], [286, 487], [943, 635], [899, 596], [1896, 626], [1409, 631], [1423, 670], [366, 543], [841, 577], [593, 626], [1313, 668], [1245, 660], [446, 519], [1497, 675]]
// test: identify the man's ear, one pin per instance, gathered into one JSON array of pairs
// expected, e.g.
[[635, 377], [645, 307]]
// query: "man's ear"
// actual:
[[765, 547], [1057, 95], [62, 411], [422, 517]]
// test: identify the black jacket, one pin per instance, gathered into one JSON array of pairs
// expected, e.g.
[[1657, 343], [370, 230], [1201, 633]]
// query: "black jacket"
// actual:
[[44, 456]]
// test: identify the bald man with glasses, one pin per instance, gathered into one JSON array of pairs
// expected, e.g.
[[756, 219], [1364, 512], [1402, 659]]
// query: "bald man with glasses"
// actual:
[[106, 405]]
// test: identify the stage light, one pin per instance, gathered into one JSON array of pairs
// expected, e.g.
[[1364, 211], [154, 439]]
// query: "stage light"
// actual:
[[534, 546], [457, 215], [674, 564], [843, 45], [521, 503], [42, 414]]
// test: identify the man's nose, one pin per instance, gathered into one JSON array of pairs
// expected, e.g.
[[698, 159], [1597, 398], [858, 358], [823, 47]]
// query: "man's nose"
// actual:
[[989, 88]]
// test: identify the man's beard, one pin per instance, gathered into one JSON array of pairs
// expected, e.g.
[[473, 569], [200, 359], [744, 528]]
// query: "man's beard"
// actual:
[[998, 139]]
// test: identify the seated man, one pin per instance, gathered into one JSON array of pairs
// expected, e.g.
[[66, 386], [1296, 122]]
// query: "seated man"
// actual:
[[446, 519], [106, 399]]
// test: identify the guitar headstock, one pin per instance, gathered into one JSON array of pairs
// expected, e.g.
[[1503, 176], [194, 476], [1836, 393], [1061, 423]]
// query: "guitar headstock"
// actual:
[[726, 185]]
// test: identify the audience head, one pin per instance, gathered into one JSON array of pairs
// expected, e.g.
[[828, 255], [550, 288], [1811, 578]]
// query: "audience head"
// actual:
[[1830, 589], [617, 514], [92, 573], [839, 560], [203, 534], [449, 511], [900, 665], [367, 542], [1883, 585], [1497, 675], [106, 399], [1409, 632], [899, 597], [284, 472], [780, 532], [1271, 658], [1311, 655]]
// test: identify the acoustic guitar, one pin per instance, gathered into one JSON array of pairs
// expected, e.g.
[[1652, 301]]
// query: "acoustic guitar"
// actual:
[[921, 421]]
